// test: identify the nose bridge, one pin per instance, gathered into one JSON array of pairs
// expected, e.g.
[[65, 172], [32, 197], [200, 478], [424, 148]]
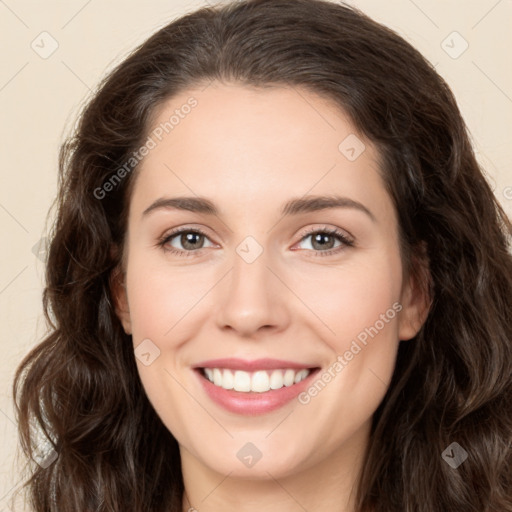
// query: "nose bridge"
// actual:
[[250, 267], [252, 296]]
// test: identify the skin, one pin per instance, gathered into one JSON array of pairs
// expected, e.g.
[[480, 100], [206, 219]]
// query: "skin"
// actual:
[[249, 151]]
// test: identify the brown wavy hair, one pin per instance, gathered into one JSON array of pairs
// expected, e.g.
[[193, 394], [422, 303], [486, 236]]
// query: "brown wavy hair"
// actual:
[[452, 382]]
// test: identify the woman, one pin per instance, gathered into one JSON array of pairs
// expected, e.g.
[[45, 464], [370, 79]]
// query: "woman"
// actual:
[[340, 336]]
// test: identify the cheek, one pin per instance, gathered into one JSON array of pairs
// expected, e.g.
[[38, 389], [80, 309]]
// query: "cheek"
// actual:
[[159, 299], [358, 306], [160, 296], [347, 392], [352, 297]]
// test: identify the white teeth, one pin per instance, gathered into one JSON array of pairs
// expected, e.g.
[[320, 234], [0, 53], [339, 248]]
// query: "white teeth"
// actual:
[[228, 379], [260, 381], [289, 377], [276, 379], [217, 377], [242, 381], [301, 376], [209, 373]]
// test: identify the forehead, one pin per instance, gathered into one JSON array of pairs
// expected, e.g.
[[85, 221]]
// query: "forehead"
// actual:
[[252, 146]]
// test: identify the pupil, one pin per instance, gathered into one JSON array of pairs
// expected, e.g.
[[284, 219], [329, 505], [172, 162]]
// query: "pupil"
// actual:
[[189, 239], [321, 236]]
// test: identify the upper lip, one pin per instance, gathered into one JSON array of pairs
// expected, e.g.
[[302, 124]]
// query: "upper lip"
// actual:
[[256, 364]]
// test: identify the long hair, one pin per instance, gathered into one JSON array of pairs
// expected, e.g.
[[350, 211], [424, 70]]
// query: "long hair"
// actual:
[[452, 382]]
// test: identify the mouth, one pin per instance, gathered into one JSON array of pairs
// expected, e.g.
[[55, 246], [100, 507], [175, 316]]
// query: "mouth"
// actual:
[[260, 381], [253, 387]]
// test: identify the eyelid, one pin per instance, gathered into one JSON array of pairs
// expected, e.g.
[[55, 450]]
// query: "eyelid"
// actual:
[[346, 241], [165, 238], [186, 227], [329, 229]]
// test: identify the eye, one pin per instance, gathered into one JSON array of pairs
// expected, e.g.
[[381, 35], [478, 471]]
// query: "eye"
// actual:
[[191, 241], [323, 239]]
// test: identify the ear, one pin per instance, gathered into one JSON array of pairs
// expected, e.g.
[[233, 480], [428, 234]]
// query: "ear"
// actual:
[[416, 297], [117, 284]]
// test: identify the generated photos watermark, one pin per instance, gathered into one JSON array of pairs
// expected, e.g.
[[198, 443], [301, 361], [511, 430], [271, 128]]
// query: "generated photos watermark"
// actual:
[[342, 361], [151, 143]]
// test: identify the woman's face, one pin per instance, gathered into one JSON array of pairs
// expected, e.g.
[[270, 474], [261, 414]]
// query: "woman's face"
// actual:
[[264, 288]]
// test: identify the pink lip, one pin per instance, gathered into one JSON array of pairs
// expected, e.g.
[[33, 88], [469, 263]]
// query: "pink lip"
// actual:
[[231, 363], [252, 403]]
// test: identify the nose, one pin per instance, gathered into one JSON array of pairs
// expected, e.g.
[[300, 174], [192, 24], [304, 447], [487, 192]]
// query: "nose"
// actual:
[[252, 298]]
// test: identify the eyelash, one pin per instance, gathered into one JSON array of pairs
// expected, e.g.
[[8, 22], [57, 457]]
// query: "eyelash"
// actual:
[[329, 231]]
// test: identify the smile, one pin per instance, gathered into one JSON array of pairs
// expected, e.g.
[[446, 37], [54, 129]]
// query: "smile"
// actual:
[[260, 381], [253, 387]]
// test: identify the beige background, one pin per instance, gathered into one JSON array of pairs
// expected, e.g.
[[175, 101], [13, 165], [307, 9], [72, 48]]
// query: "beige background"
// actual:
[[39, 98]]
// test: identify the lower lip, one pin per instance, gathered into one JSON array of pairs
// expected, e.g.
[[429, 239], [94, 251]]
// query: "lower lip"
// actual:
[[253, 403]]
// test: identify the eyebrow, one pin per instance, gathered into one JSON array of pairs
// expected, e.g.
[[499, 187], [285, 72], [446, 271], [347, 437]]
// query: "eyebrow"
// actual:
[[294, 206]]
